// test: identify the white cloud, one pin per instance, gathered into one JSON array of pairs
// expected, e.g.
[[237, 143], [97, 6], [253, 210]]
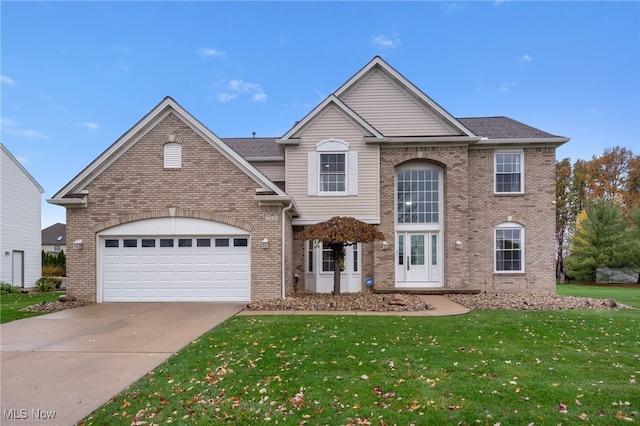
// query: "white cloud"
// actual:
[[260, 97], [6, 80], [526, 58], [89, 125], [227, 97], [211, 53], [506, 86], [383, 42], [237, 87], [592, 110], [13, 127], [452, 6]]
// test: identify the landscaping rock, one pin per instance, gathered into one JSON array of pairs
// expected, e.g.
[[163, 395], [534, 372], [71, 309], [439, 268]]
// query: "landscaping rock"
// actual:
[[530, 302], [345, 302], [55, 306], [66, 298]]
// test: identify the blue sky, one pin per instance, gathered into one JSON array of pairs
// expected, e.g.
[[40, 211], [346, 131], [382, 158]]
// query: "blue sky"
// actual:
[[75, 76]]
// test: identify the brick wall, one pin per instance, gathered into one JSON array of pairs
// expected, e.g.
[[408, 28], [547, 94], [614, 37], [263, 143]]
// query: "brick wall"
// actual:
[[207, 186]]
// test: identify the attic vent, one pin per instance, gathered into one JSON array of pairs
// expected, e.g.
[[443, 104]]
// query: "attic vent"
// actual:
[[172, 155]]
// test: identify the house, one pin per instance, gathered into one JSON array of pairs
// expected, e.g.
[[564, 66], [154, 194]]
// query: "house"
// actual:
[[54, 238], [172, 212], [20, 260]]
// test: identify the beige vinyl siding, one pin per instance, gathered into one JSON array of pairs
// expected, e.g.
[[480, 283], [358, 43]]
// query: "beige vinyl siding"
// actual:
[[392, 110], [332, 123], [274, 170]]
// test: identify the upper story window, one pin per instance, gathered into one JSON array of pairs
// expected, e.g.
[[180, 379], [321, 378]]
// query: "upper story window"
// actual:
[[509, 247], [332, 169], [333, 172], [509, 174], [172, 155], [418, 193]]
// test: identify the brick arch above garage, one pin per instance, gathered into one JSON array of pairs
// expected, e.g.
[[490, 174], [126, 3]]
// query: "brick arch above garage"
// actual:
[[178, 213]]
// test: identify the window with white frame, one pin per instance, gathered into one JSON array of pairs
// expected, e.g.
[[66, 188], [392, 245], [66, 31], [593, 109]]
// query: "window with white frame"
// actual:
[[509, 247], [509, 175], [172, 155], [418, 194], [332, 169]]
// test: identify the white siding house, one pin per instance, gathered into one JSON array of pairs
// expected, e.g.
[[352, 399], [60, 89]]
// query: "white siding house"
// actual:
[[20, 234]]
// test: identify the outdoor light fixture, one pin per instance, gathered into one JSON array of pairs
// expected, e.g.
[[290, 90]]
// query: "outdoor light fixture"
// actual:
[[265, 243], [77, 244], [458, 244], [385, 245]]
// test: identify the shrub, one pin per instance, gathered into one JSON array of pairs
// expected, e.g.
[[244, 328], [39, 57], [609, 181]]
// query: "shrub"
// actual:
[[53, 271], [47, 284], [6, 288]]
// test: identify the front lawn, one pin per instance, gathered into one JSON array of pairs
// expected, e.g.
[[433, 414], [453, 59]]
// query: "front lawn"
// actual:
[[488, 367], [629, 295], [10, 304]]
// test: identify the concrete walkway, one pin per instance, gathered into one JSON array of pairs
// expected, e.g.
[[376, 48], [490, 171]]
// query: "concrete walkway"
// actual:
[[58, 368]]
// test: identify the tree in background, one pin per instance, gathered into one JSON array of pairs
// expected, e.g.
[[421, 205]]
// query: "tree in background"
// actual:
[[338, 233], [613, 176], [600, 240]]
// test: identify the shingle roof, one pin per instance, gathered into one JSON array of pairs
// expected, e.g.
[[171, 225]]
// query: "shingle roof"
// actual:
[[51, 235], [502, 128], [490, 127], [255, 147]]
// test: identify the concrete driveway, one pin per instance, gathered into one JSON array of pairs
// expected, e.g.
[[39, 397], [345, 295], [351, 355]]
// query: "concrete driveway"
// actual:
[[58, 368]]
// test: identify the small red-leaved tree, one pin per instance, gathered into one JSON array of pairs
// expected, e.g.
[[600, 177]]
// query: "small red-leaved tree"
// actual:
[[337, 233]]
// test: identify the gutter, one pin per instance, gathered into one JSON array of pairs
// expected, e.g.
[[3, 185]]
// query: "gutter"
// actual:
[[282, 239]]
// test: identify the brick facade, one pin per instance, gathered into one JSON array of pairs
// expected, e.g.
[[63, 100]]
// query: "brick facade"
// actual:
[[208, 186]]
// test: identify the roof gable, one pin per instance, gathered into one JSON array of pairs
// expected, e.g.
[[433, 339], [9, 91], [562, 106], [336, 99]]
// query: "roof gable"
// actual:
[[331, 101], [377, 86], [55, 234], [148, 122], [10, 156]]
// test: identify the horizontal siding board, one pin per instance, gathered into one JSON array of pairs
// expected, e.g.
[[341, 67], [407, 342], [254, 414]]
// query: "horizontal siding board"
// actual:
[[391, 110], [19, 221], [333, 124], [274, 170]]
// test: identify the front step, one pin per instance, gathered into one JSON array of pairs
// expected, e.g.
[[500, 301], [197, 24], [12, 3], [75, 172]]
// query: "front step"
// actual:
[[426, 291]]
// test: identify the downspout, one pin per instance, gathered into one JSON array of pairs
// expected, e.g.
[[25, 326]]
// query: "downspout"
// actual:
[[282, 244]]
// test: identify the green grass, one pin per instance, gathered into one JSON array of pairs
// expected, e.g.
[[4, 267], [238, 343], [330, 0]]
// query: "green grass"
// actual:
[[10, 304], [629, 296], [487, 367]]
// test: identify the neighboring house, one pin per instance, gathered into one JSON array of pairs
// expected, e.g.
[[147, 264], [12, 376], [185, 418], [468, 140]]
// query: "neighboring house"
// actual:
[[54, 238], [20, 259], [172, 212]]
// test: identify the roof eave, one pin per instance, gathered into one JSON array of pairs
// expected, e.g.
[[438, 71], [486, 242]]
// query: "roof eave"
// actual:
[[553, 141], [68, 202], [465, 140]]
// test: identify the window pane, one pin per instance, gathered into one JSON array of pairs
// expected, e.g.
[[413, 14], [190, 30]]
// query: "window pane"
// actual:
[[508, 172], [129, 243], [166, 242], [508, 250], [417, 195], [310, 256], [185, 242], [400, 249], [222, 242], [355, 258], [203, 242], [148, 242], [111, 243], [332, 172], [417, 249], [240, 242], [327, 260]]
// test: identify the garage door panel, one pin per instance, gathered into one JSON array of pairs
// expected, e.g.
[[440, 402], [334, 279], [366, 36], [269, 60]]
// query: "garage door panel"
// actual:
[[159, 273]]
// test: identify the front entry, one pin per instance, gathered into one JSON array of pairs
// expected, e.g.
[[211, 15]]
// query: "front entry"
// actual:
[[419, 230], [418, 261]]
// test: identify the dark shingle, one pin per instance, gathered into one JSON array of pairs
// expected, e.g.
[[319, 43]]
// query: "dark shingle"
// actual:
[[502, 128], [51, 234], [255, 147]]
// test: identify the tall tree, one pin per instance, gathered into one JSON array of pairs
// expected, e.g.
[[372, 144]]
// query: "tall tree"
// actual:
[[613, 176], [338, 233], [600, 240]]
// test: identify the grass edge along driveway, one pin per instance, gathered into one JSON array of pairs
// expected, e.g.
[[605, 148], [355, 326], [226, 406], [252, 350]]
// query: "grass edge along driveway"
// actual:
[[487, 367], [10, 304]]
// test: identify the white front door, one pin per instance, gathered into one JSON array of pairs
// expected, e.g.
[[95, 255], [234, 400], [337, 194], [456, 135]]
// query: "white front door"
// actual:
[[418, 259], [18, 269]]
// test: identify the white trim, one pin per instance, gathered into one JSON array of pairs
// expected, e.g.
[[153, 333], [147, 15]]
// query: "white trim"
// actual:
[[512, 226], [495, 171]]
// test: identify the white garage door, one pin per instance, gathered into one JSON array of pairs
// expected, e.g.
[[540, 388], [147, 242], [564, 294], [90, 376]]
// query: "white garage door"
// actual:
[[175, 268]]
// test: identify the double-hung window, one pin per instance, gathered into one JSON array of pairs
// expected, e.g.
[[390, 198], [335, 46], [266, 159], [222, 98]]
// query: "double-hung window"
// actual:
[[332, 169], [333, 172], [509, 247], [509, 176]]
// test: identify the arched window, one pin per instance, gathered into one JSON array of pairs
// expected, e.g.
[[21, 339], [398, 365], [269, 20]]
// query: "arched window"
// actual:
[[509, 247]]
